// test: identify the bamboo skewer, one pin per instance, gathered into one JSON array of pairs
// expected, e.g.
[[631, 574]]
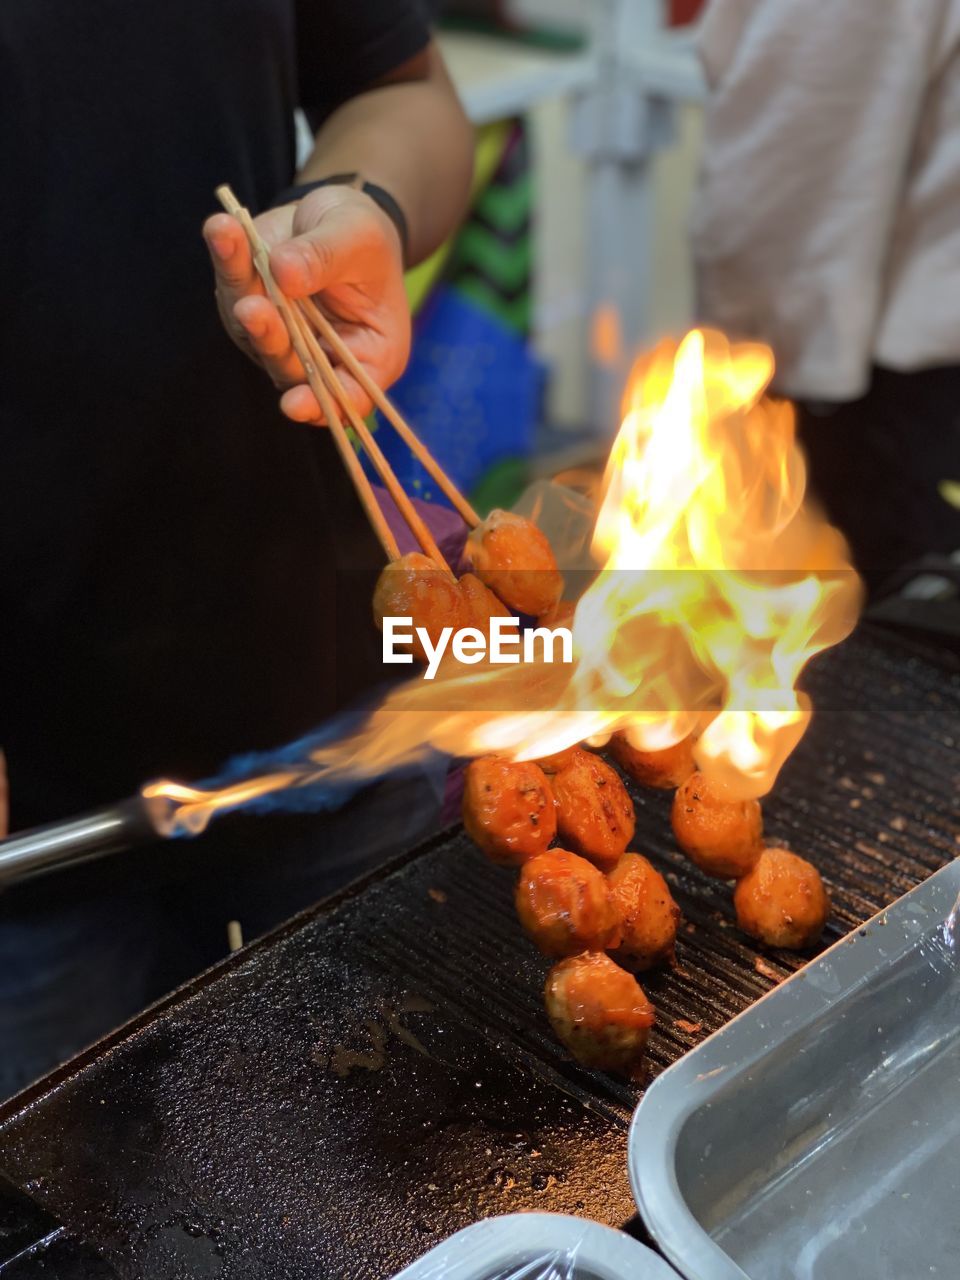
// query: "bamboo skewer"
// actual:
[[296, 327], [379, 397], [409, 512], [298, 317]]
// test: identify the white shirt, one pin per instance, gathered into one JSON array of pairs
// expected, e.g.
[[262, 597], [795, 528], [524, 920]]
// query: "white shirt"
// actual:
[[828, 218]]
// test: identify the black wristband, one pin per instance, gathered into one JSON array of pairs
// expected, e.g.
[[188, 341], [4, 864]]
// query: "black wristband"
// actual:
[[377, 194]]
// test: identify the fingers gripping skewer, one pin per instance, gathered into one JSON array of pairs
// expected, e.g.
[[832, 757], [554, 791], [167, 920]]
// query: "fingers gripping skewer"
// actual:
[[389, 410], [409, 512], [296, 327]]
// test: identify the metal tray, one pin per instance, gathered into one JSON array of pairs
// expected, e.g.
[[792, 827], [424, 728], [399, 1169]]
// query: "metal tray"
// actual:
[[817, 1136], [539, 1246]]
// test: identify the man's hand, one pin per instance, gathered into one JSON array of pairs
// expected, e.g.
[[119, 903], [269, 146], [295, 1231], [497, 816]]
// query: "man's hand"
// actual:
[[339, 246]]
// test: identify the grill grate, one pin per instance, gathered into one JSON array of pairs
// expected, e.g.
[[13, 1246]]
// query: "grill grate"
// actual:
[[380, 1072]]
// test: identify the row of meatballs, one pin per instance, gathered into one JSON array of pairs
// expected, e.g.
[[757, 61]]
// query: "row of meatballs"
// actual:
[[588, 896]]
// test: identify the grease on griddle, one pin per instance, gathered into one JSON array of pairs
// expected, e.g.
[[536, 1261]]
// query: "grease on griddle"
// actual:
[[688, 1028], [343, 1059], [410, 1004], [766, 970]]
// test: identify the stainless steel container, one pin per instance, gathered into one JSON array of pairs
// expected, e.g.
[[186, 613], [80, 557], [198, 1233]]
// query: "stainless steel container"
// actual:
[[817, 1136]]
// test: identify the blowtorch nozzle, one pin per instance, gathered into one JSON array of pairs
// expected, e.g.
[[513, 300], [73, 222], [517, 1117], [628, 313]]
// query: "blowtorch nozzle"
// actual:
[[61, 844]]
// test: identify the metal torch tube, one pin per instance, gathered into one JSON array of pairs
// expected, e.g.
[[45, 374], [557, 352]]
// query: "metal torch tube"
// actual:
[[62, 844]]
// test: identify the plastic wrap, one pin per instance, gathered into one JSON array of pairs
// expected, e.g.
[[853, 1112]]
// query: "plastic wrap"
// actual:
[[539, 1246]]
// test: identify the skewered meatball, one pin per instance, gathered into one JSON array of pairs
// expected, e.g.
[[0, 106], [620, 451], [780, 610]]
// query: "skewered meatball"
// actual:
[[481, 604], [664, 769], [565, 905], [561, 615], [515, 560], [599, 1012], [558, 761], [413, 587], [782, 901], [508, 809], [648, 914], [594, 812], [723, 836]]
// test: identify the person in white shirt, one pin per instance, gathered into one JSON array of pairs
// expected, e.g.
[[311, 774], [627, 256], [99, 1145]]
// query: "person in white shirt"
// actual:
[[828, 225]]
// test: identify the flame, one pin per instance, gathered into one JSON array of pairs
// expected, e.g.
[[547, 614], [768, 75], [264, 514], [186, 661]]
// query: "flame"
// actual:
[[174, 807], [716, 585], [606, 335], [719, 583]]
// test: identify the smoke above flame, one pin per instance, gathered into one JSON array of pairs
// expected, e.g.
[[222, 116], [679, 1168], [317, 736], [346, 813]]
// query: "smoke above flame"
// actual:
[[715, 584]]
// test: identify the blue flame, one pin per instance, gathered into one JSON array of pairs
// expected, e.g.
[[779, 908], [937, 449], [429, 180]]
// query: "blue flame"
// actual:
[[313, 790]]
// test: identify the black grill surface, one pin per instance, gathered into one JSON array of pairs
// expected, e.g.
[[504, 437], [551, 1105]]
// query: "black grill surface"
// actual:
[[338, 1097]]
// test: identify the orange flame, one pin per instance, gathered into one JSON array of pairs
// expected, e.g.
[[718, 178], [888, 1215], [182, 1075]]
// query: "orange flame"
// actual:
[[717, 584]]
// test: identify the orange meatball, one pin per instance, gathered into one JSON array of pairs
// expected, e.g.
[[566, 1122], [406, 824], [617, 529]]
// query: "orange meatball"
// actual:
[[508, 809], [413, 587], [664, 769], [723, 836], [782, 901], [565, 905], [594, 812], [648, 914], [481, 604], [599, 1012], [514, 559], [558, 761], [561, 615]]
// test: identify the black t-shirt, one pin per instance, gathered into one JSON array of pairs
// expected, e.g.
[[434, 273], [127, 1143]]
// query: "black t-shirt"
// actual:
[[170, 546]]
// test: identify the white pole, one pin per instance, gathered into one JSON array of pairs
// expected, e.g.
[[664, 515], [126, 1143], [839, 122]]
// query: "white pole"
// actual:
[[617, 124]]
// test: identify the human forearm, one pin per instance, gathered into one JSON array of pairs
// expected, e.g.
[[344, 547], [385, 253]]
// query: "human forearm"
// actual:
[[410, 137]]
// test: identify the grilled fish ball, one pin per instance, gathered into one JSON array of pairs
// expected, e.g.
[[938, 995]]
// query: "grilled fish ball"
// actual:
[[481, 604], [599, 1012], [514, 559], [594, 812], [558, 761], [413, 587], [664, 769], [565, 905], [723, 836], [648, 914], [782, 901], [508, 809], [561, 615]]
